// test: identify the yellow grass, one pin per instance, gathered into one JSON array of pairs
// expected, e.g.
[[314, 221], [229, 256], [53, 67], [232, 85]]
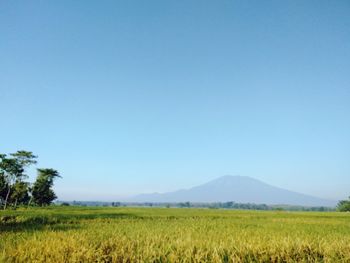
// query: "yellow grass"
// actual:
[[172, 235]]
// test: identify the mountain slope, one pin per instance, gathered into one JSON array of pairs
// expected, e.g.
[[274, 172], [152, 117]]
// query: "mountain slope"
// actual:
[[240, 189]]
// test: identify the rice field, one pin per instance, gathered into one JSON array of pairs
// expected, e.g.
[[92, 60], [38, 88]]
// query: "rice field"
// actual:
[[92, 234]]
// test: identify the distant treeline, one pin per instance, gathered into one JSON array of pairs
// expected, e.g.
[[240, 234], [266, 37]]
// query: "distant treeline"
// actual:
[[218, 205]]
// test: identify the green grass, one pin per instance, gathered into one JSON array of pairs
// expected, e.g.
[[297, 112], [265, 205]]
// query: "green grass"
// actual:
[[77, 234]]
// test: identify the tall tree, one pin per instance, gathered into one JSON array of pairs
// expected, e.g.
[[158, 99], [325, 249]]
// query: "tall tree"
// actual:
[[12, 169], [42, 192]]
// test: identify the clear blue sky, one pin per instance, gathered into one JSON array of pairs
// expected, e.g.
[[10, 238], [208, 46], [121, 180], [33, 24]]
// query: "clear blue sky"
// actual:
[[124, 97]]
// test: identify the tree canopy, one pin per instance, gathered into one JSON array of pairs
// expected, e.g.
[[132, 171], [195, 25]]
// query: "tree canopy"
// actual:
[[42, 189], [14, 190], [344, 205]]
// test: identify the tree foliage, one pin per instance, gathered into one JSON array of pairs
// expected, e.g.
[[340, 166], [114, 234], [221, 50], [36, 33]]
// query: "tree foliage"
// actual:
[[3, 188], [344, 205], [42, 189], [20, 193], [14, 190], [12, 170]]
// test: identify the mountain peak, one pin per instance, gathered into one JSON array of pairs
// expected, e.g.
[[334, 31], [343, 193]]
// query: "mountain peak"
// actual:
[[239, 189], [233, 177]]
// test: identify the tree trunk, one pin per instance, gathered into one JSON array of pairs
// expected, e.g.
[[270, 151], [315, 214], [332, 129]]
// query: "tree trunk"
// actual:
[[30, 201], [7, 197]]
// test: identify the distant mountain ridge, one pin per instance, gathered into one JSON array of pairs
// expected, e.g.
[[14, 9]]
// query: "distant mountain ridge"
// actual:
[[239, 189]]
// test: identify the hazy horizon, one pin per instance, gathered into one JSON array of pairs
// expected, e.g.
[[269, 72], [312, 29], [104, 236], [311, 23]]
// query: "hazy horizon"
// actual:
[[140, 197], [136, 97]]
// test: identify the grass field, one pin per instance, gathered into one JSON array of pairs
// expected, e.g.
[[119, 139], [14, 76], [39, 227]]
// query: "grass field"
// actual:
[[77, 234]]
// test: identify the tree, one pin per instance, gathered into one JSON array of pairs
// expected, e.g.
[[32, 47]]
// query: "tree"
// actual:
[[344, 205], [24, 158], [42, 193], [19, 193], [12, 169], [3, 189], [9, 170]]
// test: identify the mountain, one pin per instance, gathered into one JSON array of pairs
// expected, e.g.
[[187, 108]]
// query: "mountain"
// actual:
[[239, 189]]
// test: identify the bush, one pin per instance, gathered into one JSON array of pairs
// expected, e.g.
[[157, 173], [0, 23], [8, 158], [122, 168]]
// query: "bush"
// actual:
[[344, 205]]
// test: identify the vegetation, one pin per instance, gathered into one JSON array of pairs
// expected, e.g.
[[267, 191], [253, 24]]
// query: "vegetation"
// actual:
[[160, 232], [14, 190], [42, 189], [118, 234], [217, 205], [344, 205]]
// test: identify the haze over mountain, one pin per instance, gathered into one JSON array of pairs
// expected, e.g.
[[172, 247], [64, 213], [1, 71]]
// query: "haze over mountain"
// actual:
[[240, 189]]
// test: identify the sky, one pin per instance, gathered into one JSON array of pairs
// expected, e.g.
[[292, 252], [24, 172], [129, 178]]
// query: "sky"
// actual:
[[127, 97]]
